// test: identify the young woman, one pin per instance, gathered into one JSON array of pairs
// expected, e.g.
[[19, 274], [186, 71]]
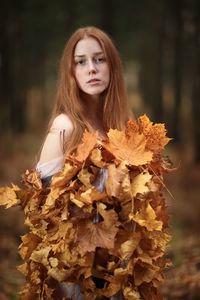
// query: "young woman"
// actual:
[[91, 95]]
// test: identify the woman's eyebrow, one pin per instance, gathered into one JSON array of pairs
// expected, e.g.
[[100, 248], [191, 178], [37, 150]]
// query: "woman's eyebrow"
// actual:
[[83, 55]]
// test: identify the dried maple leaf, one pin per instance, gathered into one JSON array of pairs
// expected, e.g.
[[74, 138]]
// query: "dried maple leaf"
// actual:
[[139, 183], [8, 196], [128, 247], [86, 177], [55, 193], [118, 182], [89, 141], [67, 173], [58, 274], [83, 232], [97, 159], [146, 273], [41, 256], [130, 147], [155, 134], [92, 235], [87, 197], [31, 179], [131, 128], [131, 293], [30, 242], [146, 217], [23, 269], [160, 208]]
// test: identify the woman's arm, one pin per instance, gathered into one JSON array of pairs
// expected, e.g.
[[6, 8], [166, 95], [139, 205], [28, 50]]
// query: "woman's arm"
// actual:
[[52, 154], [53, 145]]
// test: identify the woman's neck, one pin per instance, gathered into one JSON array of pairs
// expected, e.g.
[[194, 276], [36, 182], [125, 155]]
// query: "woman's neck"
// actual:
[[93, 107], [93, 111]]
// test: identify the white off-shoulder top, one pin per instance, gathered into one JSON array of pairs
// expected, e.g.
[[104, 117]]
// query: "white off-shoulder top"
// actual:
[[52, 157], [49, 168]]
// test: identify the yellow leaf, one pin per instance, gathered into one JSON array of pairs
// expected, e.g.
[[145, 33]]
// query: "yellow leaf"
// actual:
[[58, 274], [139, 183], [130, 293], [86, 177], [63, 178], [146, 217], [96, 158], [53, 262], [41, 255], [8, 197], [128, 247], [54, 194], [89, 196], [76, 201]]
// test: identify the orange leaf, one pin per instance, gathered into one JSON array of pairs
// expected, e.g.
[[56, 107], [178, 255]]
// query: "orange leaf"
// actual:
[[155, 134], [89, 141], [130, 147]]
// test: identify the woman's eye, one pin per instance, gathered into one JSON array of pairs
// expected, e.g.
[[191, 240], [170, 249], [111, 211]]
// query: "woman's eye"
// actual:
[[100, 59], [80, 62]]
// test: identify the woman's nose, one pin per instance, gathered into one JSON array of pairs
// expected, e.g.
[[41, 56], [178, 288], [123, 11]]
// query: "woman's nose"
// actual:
[[91, 67]]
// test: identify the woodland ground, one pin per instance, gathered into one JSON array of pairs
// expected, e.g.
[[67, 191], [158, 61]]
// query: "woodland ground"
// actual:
[[182, 280]]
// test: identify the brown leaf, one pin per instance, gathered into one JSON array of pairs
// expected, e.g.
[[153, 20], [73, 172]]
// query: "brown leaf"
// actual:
[[92, 235], [31, 179], [30, 242], [118, 182], [146, 273]]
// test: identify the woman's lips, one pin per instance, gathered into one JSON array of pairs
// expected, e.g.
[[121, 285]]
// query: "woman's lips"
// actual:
[[93, 80]]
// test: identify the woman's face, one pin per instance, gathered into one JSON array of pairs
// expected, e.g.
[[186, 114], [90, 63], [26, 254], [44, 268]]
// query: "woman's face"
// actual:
[[91, 68]]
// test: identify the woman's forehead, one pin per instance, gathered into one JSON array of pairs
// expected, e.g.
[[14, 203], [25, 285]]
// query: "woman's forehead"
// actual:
[[87, 46]]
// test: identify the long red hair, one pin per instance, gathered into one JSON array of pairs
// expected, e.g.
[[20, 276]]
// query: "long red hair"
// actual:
[[115, 109]]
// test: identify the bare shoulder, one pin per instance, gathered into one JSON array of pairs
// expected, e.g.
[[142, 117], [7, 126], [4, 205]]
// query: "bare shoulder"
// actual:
[[53, 144], [62, 121]]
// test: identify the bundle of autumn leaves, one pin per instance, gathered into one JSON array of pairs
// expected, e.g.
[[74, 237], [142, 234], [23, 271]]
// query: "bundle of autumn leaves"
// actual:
[[106, 239]]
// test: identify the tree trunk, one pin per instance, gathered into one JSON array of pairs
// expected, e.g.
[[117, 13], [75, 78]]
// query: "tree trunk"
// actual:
[[177, 67], [158, 111], [6, 83], [196, 87]]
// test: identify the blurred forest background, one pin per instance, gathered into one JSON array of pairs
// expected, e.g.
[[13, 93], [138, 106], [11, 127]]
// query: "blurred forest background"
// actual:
[[159, 45]]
